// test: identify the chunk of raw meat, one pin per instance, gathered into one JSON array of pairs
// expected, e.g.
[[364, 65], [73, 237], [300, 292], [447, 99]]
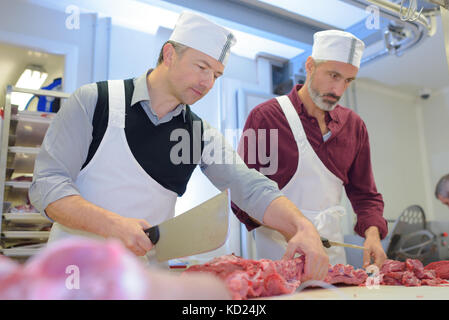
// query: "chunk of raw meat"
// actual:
[[345, 274], [440, 267], [104, 270], [393, 278], [409, 279], [416, 267], [12, 285], [392, 266], [247, 278], [409, 273], [80, 268]]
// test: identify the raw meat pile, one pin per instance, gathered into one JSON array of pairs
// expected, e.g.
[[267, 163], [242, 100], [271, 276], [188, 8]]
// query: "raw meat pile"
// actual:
[[261, 278], [254, 278], [413, 273]]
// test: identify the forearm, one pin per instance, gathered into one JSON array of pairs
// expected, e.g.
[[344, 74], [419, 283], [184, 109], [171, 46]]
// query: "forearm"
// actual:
[[77, 213], [282, 215], [372, 232]]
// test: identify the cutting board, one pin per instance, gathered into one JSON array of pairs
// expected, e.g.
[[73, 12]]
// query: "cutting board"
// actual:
[[365, 293]]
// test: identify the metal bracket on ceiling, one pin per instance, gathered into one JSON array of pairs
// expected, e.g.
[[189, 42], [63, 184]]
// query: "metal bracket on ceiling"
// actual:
[[441, 3]]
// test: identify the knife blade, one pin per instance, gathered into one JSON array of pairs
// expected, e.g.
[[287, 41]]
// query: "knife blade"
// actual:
[[201, 229], [327, 244]]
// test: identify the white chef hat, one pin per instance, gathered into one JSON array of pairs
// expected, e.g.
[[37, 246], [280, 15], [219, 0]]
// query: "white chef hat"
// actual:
[[337, 46], [204, 35]]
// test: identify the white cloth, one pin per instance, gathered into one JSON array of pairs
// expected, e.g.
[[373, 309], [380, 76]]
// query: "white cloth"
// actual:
[[203, 35], [339, 46], [114, 180], [314, 190]]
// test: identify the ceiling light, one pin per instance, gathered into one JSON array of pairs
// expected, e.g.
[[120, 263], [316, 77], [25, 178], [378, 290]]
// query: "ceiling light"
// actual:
[[32, 78]]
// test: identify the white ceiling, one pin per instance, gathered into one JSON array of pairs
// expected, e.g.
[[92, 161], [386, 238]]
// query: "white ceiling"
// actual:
[[423, 66], [334, 13]]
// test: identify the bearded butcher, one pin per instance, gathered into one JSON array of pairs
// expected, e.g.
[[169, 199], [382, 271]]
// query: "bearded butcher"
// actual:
[[323, 147], [107, 168]]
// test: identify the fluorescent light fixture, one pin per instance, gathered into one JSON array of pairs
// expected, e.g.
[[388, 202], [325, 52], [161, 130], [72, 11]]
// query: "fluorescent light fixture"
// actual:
[[32, 78], [332, 12]]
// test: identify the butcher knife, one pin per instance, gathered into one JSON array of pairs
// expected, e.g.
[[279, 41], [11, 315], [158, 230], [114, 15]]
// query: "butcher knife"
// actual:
[[327, 244], [201, 229]]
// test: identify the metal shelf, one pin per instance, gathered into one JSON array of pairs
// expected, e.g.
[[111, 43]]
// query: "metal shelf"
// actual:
[[26, 234], [22, 135], [28, 129], [24, 251], [18, 184], [21, 159], [25, 218]]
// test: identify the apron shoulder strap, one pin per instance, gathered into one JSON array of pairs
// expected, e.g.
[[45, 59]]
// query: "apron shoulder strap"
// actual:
[[294, 122], [99, 121], [101, 114]]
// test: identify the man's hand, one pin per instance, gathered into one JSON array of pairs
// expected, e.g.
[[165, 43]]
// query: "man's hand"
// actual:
[[130, 232], [307, 241], [77, 213], [375, 250], [283, 216]]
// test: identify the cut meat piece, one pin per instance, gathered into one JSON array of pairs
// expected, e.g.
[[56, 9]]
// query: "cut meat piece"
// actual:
[[392, 266], [247, 278], [440, 267], [392, 278], [291, 270], [345, 274], [416, 267], [409, 279]]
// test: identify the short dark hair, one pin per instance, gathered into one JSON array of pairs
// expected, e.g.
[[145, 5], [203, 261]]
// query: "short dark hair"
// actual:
[[179, 49], [442, 188]]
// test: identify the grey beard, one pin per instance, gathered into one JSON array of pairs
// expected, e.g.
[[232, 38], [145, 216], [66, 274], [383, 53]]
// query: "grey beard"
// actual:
[[318, 100]]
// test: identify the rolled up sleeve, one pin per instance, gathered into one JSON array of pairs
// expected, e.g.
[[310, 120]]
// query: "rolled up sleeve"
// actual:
[[64, 149], [250, 189]]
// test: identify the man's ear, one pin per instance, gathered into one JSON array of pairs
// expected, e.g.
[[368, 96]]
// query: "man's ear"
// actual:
[[310, 65], [168, 52]]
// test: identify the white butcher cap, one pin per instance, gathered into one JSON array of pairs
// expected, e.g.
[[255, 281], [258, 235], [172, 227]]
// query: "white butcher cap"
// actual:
[[337, 46], [199, 33]]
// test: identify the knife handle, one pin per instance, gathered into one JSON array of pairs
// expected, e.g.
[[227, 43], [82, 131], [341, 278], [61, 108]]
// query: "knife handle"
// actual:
[[153, 234], [325, 242]]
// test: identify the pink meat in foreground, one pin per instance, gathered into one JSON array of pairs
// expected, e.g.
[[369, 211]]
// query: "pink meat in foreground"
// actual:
[[87, 269]]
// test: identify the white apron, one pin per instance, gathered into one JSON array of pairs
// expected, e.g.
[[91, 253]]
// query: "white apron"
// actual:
[[314, 190], [115, 181]]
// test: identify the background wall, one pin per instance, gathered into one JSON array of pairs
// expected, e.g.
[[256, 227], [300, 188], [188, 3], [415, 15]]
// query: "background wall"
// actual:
[[394, 132], [435, 119], [44, 29]]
